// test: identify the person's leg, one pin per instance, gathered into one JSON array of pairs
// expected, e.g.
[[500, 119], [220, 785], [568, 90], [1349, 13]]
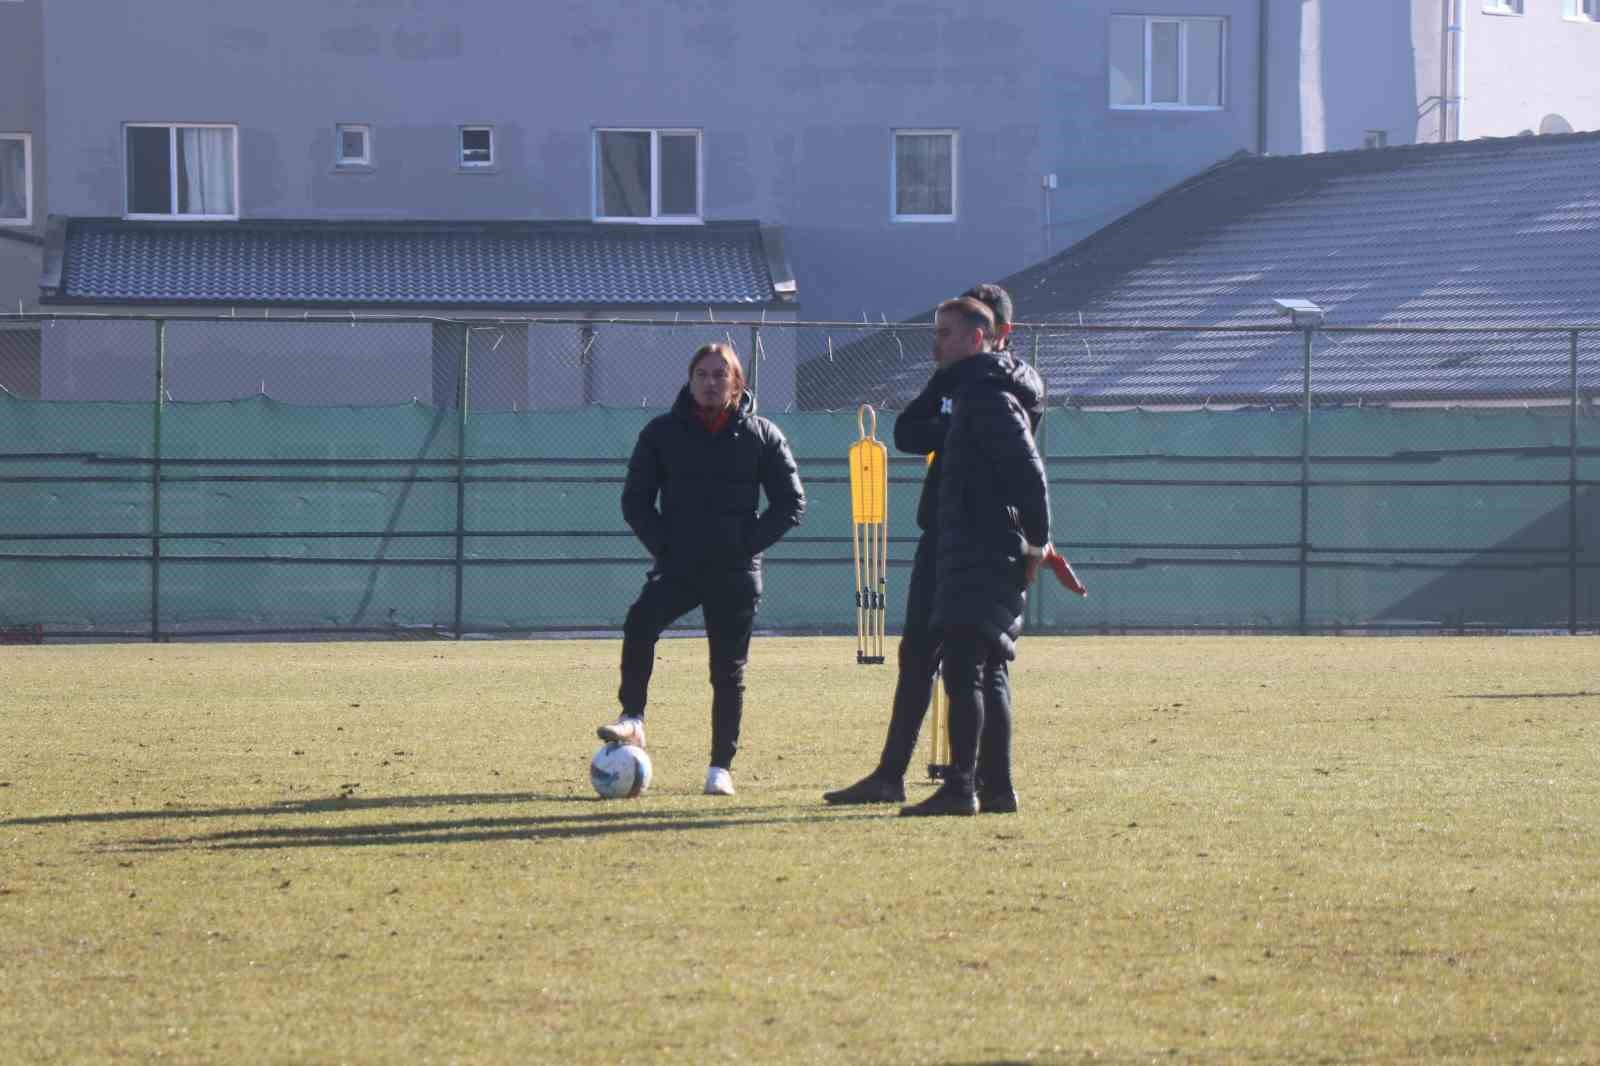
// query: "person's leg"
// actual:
[[996, 794], [663, 601], [918, 663], [730, 608], [965, 652]]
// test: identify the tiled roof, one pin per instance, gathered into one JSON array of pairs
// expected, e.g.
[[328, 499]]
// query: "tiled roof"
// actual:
[[1474, 233], [417, 264]]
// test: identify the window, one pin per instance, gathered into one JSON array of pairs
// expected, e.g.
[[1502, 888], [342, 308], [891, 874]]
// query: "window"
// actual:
[[182, 170], [477, 146], [647, 175], [1502, 7], [923, 175], [353, 145], [1174, 63], [1583, 10], [1375, 139], [16, 179]]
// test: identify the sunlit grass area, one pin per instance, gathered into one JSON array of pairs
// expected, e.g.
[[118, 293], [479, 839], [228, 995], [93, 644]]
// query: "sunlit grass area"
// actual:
[[1230, 850]]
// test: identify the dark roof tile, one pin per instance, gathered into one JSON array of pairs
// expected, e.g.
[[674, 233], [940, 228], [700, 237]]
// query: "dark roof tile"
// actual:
[[1468, 234], [415, 264]]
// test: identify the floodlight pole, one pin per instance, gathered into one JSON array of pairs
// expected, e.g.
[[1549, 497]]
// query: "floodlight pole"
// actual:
[[1308, 318], [1305, 474]]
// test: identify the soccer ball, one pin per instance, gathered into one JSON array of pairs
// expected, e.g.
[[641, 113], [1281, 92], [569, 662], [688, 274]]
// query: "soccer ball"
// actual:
[[619, 771]]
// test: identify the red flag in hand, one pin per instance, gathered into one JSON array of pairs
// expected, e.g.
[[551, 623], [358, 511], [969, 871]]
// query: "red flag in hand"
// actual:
[[1063, 570]]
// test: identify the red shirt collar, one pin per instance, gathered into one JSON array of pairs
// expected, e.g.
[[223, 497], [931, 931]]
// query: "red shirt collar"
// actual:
[[714, 421]]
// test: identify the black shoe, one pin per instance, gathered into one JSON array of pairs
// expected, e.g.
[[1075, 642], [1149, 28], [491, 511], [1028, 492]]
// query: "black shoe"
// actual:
[[945, 801], [998, 802], [868, 790]]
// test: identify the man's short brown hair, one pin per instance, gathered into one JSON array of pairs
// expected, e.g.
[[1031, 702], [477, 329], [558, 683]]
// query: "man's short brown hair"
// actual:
[[974, 313]]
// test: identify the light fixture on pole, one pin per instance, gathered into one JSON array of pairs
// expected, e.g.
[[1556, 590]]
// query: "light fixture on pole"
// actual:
[[1303, 314], [1308, 318]]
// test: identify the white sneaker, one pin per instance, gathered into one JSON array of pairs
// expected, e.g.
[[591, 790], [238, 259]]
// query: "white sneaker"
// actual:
[[625, 730], [719, 782]]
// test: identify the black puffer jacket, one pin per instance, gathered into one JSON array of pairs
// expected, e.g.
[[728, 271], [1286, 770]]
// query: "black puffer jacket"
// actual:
[[920, 428], [710, 489], [994, 499]]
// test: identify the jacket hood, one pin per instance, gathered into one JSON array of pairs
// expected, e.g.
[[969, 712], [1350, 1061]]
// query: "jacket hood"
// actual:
[[1011, 374], [684, 405]]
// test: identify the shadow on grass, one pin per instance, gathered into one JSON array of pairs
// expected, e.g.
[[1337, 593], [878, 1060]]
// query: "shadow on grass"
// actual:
[[1585, 695], [478, 830], [321, 805]]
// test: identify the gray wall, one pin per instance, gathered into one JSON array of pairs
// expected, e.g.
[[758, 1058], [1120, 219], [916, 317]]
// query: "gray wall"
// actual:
[[22, 111], [797, 104], [1519, 71], [1341, 67]]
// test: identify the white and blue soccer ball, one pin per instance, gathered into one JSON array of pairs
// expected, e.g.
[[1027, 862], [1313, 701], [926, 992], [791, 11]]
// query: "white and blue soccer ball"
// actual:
[[620, 771]]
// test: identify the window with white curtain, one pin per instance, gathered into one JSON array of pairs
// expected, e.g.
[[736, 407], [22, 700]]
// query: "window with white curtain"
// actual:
[[1502, 7], [1583, 10], [645, 175], [923, 175], [182, 170], [1171, 63], [16, 179]]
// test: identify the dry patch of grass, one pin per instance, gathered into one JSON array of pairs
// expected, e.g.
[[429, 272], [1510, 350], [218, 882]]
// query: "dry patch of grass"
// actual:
[[1231, 850]]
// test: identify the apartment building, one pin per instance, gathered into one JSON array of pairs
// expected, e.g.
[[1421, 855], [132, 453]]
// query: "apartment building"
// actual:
[[868, 157]]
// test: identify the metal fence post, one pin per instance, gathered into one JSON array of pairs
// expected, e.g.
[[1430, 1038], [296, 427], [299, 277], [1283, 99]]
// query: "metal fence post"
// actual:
[[1572, 484], [462, 380], [586, 342], [1039, 585], [755, 364], [155, 481], [1305, 476]]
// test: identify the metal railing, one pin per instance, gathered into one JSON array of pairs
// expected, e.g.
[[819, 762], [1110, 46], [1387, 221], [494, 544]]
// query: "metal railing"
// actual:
[[408, 474]]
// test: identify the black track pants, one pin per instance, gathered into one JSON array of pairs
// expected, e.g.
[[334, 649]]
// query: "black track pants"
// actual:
[[728, 600], [920, 651], [977, 683]]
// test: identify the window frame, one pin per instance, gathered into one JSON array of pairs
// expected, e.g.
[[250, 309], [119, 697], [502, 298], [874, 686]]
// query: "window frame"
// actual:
[[339, 159], [1581, 11], [655, 218], [1183, 22], [27, 177], [474, 165], [172, 171], [954, 133]]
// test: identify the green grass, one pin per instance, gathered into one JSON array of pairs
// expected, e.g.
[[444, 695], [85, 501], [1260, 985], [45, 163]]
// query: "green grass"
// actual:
[[1265, 850]]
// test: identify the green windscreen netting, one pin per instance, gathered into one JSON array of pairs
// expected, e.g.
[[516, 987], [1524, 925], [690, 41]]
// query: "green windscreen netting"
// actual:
[[260, 517]]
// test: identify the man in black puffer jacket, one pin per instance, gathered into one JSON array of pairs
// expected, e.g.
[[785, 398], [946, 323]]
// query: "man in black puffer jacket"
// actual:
[[708, 460], [994, 527], [920, 429]]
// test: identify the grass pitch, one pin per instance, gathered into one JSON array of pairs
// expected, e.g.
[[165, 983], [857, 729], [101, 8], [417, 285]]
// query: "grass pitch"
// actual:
[[1264, 850]]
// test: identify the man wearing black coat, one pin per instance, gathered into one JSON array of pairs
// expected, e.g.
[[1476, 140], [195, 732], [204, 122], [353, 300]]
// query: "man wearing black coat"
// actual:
[[994, 528], [920, 429], [708, 461]]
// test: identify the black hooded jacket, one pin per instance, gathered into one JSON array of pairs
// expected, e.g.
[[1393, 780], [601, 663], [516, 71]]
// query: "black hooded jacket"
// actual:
[[994, 499], [710, 489], [920, 428]]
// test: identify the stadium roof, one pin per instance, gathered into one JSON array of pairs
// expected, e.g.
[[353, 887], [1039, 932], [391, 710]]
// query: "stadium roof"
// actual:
[[1480, 233], [411, 265]]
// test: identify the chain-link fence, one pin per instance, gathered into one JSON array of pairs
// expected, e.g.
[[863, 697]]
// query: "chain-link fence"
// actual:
[[188, 476]]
